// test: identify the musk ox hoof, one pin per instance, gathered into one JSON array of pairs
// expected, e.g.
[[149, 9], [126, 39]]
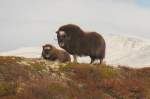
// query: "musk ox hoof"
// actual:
[[53, 54]]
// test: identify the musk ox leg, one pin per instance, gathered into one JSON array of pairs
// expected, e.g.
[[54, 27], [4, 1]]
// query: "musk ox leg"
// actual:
[[101, 61], [92, 60], [75, 59]]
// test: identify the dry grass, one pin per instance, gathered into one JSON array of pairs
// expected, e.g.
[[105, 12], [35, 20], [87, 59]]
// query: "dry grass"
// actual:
[[22, 78]]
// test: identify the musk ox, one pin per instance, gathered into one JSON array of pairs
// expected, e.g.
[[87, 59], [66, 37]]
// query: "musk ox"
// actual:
[[49, 52], [80, 43]]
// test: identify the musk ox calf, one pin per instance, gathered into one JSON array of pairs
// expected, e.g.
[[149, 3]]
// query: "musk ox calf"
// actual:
[[80, 43], [51, 53]]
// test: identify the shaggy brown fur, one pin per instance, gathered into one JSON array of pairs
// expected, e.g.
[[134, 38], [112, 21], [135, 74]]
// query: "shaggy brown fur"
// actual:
[[79, 43], [51, 53]]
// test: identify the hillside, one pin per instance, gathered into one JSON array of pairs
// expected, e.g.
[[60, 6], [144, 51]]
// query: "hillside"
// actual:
[[35, 78], [120, 50]]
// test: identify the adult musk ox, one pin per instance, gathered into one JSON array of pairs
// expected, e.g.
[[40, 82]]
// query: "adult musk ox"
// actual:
[[80, 43], [51, 53]]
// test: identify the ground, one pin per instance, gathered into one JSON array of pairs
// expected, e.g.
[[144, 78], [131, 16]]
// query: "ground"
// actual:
[[26, 78]]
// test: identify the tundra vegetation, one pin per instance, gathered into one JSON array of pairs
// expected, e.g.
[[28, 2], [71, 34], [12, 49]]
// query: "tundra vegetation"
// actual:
[[26, 78]]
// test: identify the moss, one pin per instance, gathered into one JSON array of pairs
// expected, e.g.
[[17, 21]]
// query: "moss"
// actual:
[[148, 94], [108, 71], [7, 89], [38, 66], [57, 90], [103, 71], [9, 59], [62, 67]]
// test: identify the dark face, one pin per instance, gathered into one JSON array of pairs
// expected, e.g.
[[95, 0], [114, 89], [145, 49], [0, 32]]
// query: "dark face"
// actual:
[[63, 38], [47, 51]]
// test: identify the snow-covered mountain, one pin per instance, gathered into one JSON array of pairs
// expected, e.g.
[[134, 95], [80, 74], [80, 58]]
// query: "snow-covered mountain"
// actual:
[[121, 50], [129, 51]]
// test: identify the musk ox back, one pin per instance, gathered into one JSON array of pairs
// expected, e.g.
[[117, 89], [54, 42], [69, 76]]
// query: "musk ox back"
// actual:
[[49, 52], [79, 43]]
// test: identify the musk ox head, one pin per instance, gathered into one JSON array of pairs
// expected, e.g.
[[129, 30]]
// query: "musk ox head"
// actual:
[[63, 38], [67, 33], [47, 51]]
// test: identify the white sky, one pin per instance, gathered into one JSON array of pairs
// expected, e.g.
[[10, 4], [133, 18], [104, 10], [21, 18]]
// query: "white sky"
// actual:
[[34, 22]]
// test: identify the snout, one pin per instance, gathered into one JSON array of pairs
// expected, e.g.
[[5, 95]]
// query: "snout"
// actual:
[[61, 41], [61, 44], [47, 54]]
